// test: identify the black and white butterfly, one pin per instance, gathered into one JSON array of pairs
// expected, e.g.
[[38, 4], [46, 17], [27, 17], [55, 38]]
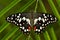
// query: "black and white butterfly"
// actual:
[[22, 20]]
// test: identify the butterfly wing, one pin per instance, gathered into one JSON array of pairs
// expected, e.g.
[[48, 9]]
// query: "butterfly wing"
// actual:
[[23, 21], [20, 20], [42, 21]]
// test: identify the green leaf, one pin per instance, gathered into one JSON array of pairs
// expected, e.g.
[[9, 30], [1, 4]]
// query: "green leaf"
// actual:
[[10, 33], [3, 27], [36, 6], [27, 5], [46, 35], [42, 6], [12, 4], [16, 36], [52, 33], [58, 2]]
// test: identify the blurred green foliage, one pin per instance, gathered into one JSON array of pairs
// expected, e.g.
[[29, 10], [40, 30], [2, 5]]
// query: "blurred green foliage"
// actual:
[[11, 32]]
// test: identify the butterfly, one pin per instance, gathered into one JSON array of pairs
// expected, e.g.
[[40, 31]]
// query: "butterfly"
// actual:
[[40, 21]]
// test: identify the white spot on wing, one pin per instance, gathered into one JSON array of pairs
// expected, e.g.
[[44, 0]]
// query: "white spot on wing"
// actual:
[[40, 27], [24, 18], [39, 18], [8, 19], [43, 19], [17, 24], [25, 30], [50, 15], [35, 21], [13, 21], [21, 27], [18, 16], [20, 20], [36, 30], [39, 30], [12, 15], [42, 24], [51, 18], [20, 24], [43, 14], [28, 21]]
